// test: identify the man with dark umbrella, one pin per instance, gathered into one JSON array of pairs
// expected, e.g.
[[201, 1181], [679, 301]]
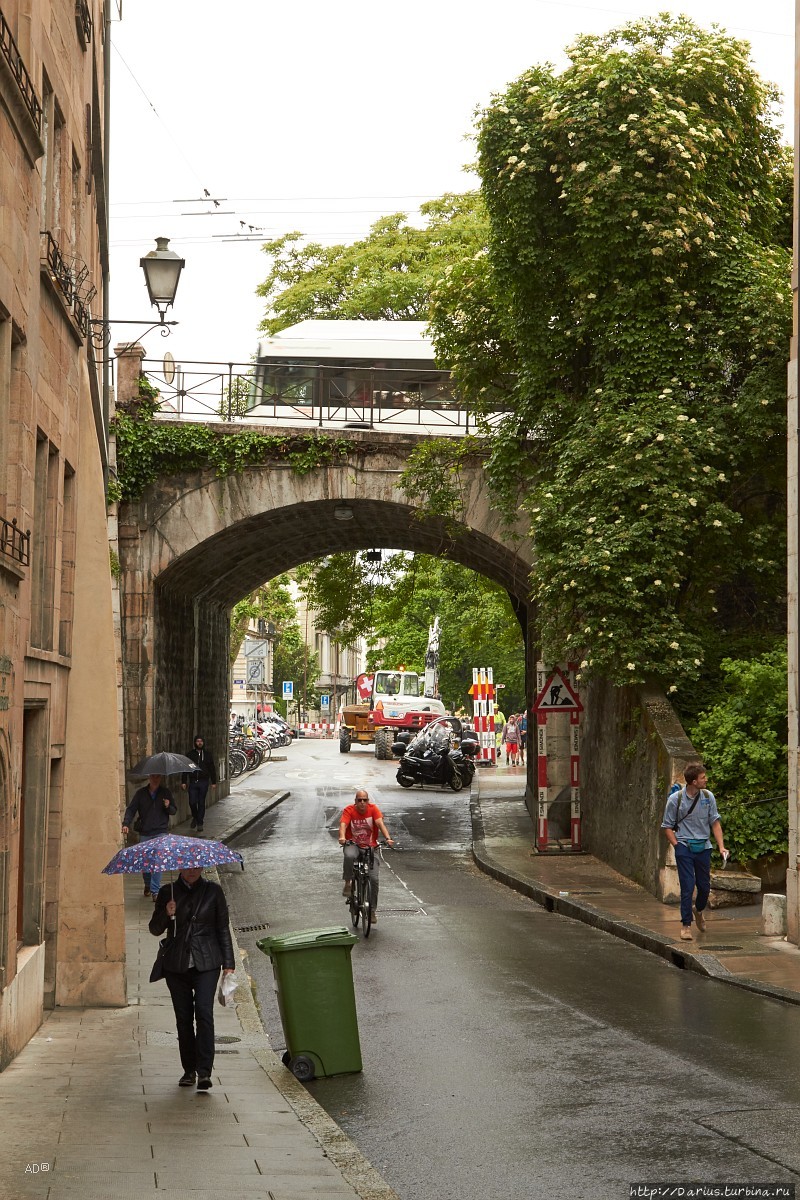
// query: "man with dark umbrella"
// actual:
[[153, 805]]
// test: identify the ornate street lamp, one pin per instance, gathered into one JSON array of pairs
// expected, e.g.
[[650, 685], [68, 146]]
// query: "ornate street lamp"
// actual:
[[162, 271]]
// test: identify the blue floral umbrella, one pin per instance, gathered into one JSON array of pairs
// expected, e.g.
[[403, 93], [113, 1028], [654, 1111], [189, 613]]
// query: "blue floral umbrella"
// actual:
[[171, 852]]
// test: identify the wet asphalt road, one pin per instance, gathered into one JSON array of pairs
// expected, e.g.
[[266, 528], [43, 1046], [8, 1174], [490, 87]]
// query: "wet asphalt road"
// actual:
[[509, 1053]]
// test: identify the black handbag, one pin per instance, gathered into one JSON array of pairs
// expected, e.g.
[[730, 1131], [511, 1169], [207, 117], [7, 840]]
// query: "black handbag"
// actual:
[[158, 966]]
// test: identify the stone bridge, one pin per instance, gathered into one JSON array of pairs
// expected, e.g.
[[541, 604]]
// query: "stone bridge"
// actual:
[[194, 544]]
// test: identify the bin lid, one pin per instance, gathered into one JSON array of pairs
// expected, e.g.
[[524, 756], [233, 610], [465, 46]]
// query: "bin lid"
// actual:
[[302, 939]]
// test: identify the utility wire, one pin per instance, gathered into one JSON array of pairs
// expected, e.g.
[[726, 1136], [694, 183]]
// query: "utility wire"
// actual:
[[285, 199], [167, 130]]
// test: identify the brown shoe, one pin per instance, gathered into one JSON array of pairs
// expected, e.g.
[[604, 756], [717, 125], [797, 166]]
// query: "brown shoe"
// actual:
[[686, 933], [374, 918], [347, 889], [700, 920]]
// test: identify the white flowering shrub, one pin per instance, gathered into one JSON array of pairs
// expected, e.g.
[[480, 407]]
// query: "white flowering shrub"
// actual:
[[639, 272]]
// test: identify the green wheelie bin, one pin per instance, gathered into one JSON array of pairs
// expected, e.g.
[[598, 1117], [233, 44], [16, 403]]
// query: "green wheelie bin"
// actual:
[[314, 986]]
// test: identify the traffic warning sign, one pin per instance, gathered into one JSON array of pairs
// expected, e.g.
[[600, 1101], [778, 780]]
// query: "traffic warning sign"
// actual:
[[557, 696]]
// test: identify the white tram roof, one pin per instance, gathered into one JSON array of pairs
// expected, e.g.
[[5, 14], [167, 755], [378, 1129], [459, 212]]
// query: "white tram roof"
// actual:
[[321, 340]]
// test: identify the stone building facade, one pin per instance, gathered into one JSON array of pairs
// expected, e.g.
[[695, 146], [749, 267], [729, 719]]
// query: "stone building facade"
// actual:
[[793, 540], [61, 921]]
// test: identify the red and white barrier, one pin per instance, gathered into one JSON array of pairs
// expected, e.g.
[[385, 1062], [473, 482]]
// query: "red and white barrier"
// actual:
[[483, 693], [316, 729]]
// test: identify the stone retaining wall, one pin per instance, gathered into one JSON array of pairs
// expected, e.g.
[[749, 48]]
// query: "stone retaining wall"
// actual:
[[633, 746]]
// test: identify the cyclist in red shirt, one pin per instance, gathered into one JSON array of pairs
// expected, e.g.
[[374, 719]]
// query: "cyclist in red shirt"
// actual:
[[360, 824]]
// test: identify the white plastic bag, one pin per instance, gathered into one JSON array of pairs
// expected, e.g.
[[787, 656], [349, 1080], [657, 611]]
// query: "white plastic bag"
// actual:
[[226, 989]]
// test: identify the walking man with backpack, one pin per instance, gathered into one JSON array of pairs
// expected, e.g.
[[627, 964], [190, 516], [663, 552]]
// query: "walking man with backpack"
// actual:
[[690, 821]]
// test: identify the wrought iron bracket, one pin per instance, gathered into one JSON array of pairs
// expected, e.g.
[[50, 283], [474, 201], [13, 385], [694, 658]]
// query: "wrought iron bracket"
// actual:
[[101, 332]]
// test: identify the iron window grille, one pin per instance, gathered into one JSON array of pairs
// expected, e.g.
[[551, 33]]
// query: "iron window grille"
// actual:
[[15, 543], [63, 276], [9, 50], [83, 22]]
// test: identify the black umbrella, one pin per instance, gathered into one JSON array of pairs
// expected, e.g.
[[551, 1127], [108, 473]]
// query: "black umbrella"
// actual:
[[163, 763]]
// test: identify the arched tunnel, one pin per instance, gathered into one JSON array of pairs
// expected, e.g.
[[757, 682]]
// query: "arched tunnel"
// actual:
[[196, 544]]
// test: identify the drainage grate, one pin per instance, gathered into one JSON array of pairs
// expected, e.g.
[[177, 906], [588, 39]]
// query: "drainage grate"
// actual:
[[583, 893], [225, 1040], [226, 1051], [252, 928], [721, 947]]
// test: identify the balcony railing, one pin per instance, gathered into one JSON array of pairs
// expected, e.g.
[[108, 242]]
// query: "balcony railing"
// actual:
[[63, 277], [83, 22], [420, 400], [8, 48], [14, 543]]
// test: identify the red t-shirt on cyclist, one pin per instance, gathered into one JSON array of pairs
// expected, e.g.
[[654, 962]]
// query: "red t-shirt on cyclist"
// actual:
[[362, 828]]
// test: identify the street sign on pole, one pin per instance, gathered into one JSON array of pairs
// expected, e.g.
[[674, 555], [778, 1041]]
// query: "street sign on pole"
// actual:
[[325, 702], [288, 689], [255, 672], [256, 647]]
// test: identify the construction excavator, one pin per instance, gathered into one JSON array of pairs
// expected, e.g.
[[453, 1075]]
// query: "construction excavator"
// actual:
[[391, 701]]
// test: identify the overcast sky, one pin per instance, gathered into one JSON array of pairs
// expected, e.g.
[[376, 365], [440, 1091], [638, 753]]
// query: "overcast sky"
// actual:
[[319, 117]]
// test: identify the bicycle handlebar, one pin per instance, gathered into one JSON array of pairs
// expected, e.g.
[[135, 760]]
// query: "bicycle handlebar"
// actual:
[[379, 845]]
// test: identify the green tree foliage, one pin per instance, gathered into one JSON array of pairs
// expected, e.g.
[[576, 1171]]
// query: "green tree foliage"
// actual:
[[393, 607], [743, 740], [273, 603], [386, 275], [638, 282]]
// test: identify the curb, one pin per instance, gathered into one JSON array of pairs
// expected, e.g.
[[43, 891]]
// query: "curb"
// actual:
[[645, 939], [236, 830]]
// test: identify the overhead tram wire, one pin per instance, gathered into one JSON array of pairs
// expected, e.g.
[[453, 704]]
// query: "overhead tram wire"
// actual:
[[289, 199], [167, 129]]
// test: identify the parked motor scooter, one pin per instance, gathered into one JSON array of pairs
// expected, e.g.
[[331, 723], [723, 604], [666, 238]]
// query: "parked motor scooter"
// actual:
[[431, 759]]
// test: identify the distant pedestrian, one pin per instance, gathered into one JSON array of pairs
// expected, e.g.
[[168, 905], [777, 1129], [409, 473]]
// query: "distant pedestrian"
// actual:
[[198, 943], [150, 808], [522, 726], [499, 727], [511, 739], [198, 782], [690, 819]]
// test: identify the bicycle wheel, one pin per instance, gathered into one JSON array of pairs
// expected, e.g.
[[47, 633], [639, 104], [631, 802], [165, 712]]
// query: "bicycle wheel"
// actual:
[[254, 759], [353, 904], [366, 908], [266, 746], [237, 761]]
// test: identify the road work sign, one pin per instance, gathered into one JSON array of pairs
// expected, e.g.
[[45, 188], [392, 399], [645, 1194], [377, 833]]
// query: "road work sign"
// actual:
[[557, 696]]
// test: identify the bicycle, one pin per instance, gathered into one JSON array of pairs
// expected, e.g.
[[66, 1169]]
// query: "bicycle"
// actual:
[[361, 899]]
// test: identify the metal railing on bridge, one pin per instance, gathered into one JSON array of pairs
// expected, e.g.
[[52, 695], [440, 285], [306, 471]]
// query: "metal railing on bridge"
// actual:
[[413, 400]]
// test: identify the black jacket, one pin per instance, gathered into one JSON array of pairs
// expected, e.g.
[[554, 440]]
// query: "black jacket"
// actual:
[[206, 768], [155, 818], [201, 926]]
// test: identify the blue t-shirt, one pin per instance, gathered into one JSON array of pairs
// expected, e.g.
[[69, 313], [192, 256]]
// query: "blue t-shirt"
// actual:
[[696, 827]]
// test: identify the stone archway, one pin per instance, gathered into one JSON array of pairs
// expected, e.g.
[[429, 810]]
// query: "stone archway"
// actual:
[[195, 544]]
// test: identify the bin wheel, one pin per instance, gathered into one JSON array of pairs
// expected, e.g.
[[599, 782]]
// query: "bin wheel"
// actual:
[[286, 1058], [303, 1068]]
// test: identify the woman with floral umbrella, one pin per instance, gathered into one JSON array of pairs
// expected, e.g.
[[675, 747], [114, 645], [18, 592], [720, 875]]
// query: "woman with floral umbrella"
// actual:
[[194, 914]]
